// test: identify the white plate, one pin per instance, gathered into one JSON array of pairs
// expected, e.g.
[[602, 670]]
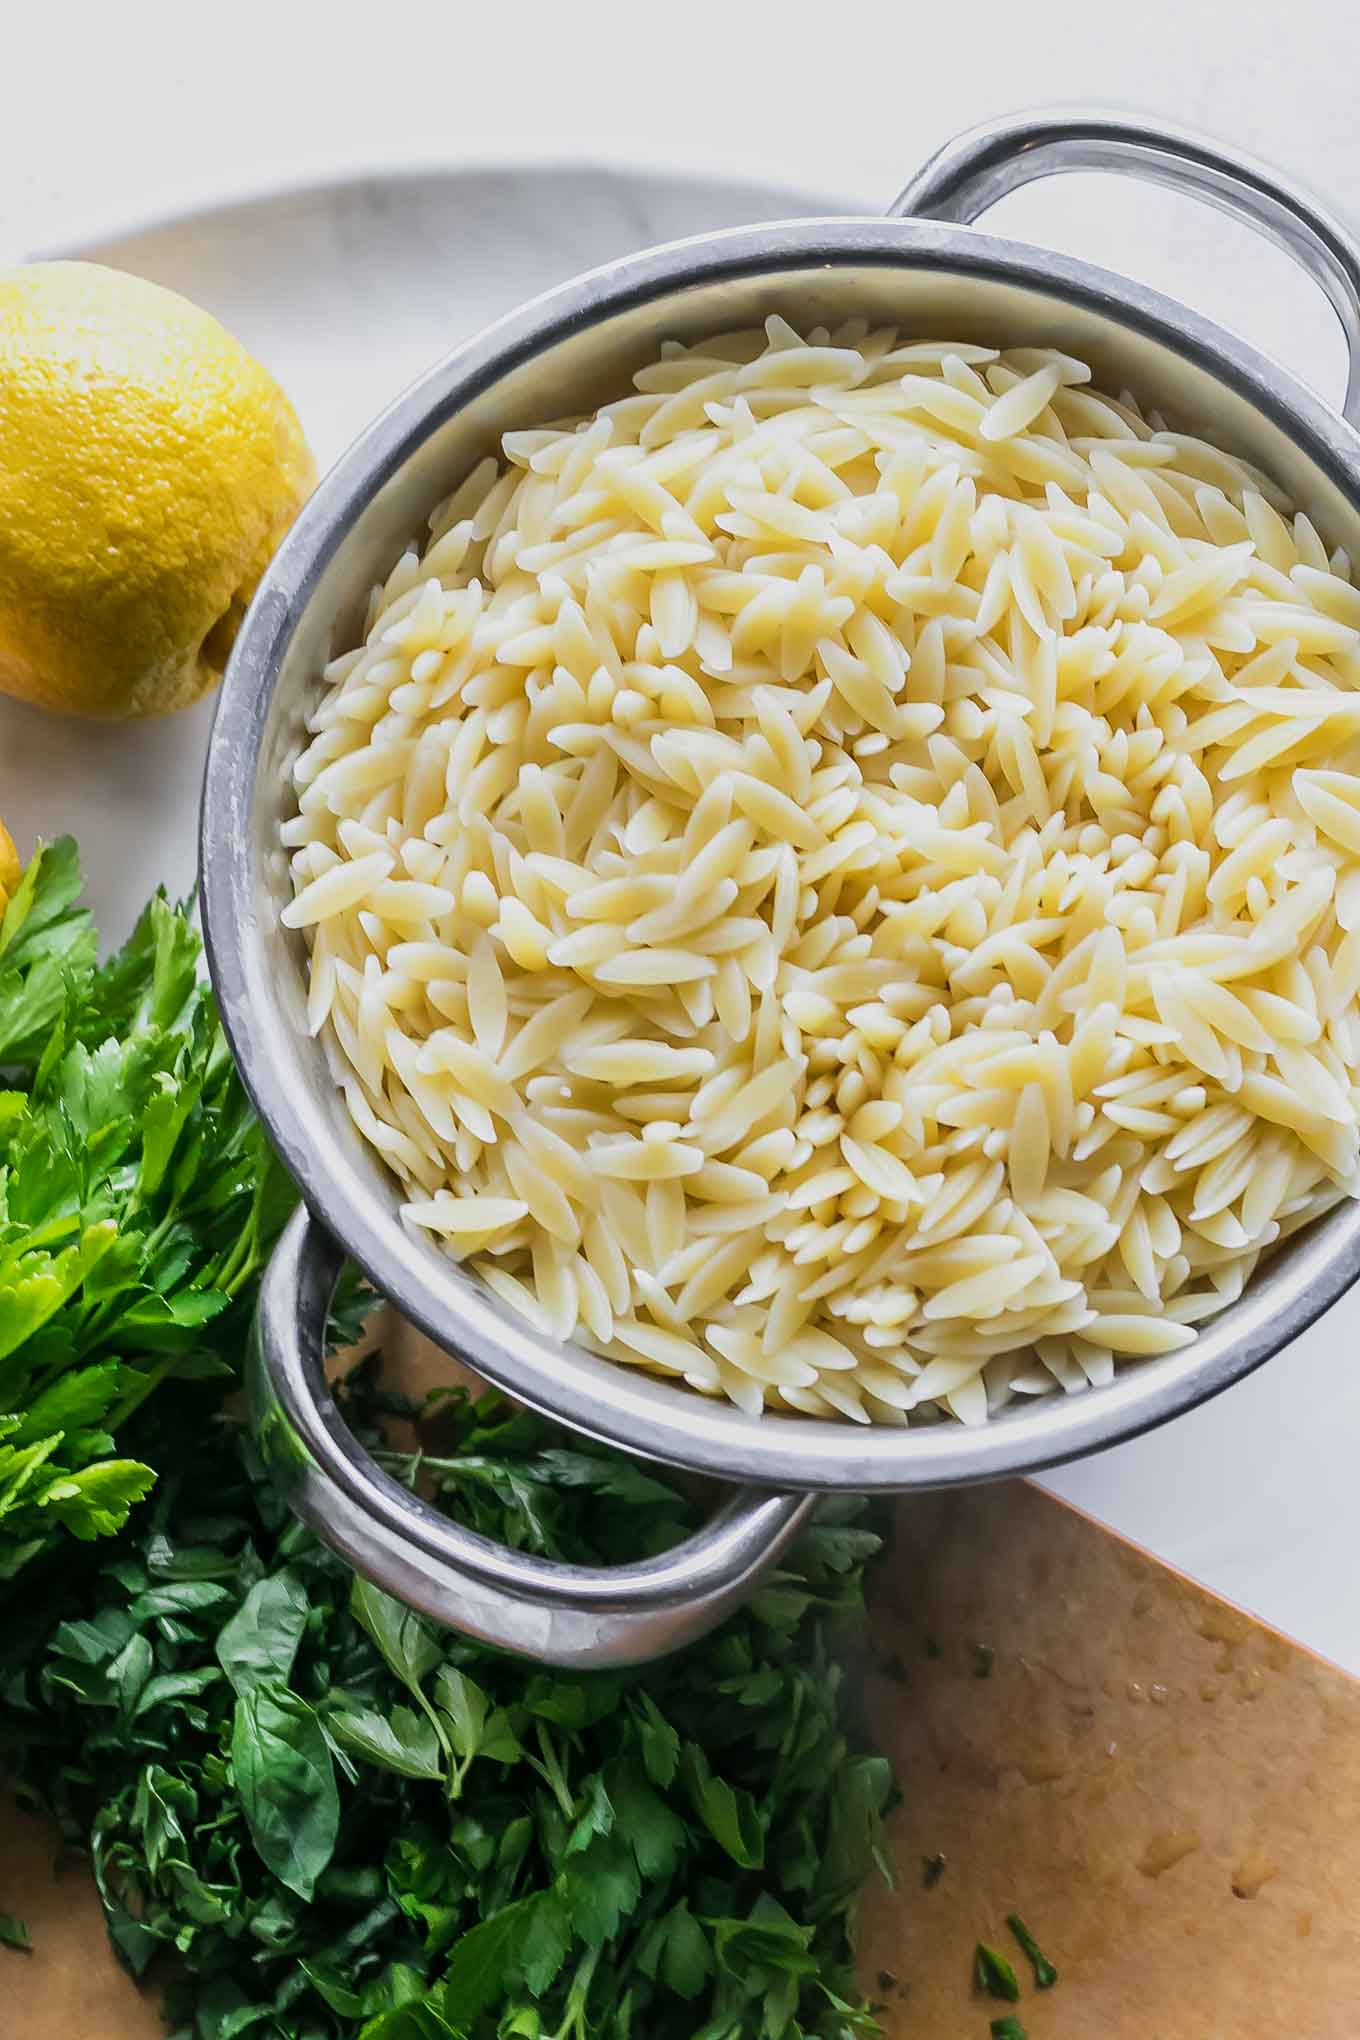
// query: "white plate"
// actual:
[[347, 290]]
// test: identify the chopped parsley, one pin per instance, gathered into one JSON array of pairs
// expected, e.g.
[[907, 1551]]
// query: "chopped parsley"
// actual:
[[345, 1821], [1045, 1975], [993, 1973]]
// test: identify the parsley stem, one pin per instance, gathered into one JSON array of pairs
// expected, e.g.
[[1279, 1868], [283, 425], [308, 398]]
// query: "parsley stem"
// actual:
[[241, 1262], [573, 2026], [455, 1777], [550, 1771], [133, 1398]]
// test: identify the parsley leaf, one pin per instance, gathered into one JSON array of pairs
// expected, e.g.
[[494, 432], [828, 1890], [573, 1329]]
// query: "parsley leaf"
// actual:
[[14, 1934], [47, 953], [731, 1816], [482, 1964]]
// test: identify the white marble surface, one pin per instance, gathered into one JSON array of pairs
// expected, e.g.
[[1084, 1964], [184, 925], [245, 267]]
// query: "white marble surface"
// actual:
[[124, 114]]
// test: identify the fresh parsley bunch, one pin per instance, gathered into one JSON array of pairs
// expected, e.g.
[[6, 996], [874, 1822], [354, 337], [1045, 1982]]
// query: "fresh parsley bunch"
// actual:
[[345, 1823], [138, 1198]]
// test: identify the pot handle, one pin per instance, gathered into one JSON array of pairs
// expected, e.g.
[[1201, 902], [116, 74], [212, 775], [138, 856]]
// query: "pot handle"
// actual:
[[976, 169], [560, 1614]]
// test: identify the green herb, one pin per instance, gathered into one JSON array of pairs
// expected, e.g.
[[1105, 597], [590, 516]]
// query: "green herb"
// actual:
[[343, 1825], [984, 1657], [14, 1934], [1008, 2028], [138, 1199], [993, 1973], [1045, 1975], [932, 1870], [47, 955], [346, 1824]]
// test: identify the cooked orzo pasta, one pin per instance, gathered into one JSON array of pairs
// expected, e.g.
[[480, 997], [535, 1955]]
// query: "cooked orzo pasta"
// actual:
[[837, 878]]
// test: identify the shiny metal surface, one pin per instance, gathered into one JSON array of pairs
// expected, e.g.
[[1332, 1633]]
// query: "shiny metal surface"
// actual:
[[976, 169], [562, 1614], [564, 353]]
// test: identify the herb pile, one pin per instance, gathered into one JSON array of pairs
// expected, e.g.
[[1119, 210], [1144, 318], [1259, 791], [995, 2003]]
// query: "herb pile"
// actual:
[[345, 1823], [138, 1200]]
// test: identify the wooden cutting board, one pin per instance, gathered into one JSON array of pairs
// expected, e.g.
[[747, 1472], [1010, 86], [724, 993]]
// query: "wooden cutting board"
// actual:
[[1165, 1790]]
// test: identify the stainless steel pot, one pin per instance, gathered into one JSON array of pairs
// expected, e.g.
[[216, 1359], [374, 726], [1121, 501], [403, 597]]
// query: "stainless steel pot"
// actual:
[[924, 268]]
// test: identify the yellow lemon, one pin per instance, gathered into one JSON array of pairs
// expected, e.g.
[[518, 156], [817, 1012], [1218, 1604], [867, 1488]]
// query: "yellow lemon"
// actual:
[[11, 871], [149, 467]]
